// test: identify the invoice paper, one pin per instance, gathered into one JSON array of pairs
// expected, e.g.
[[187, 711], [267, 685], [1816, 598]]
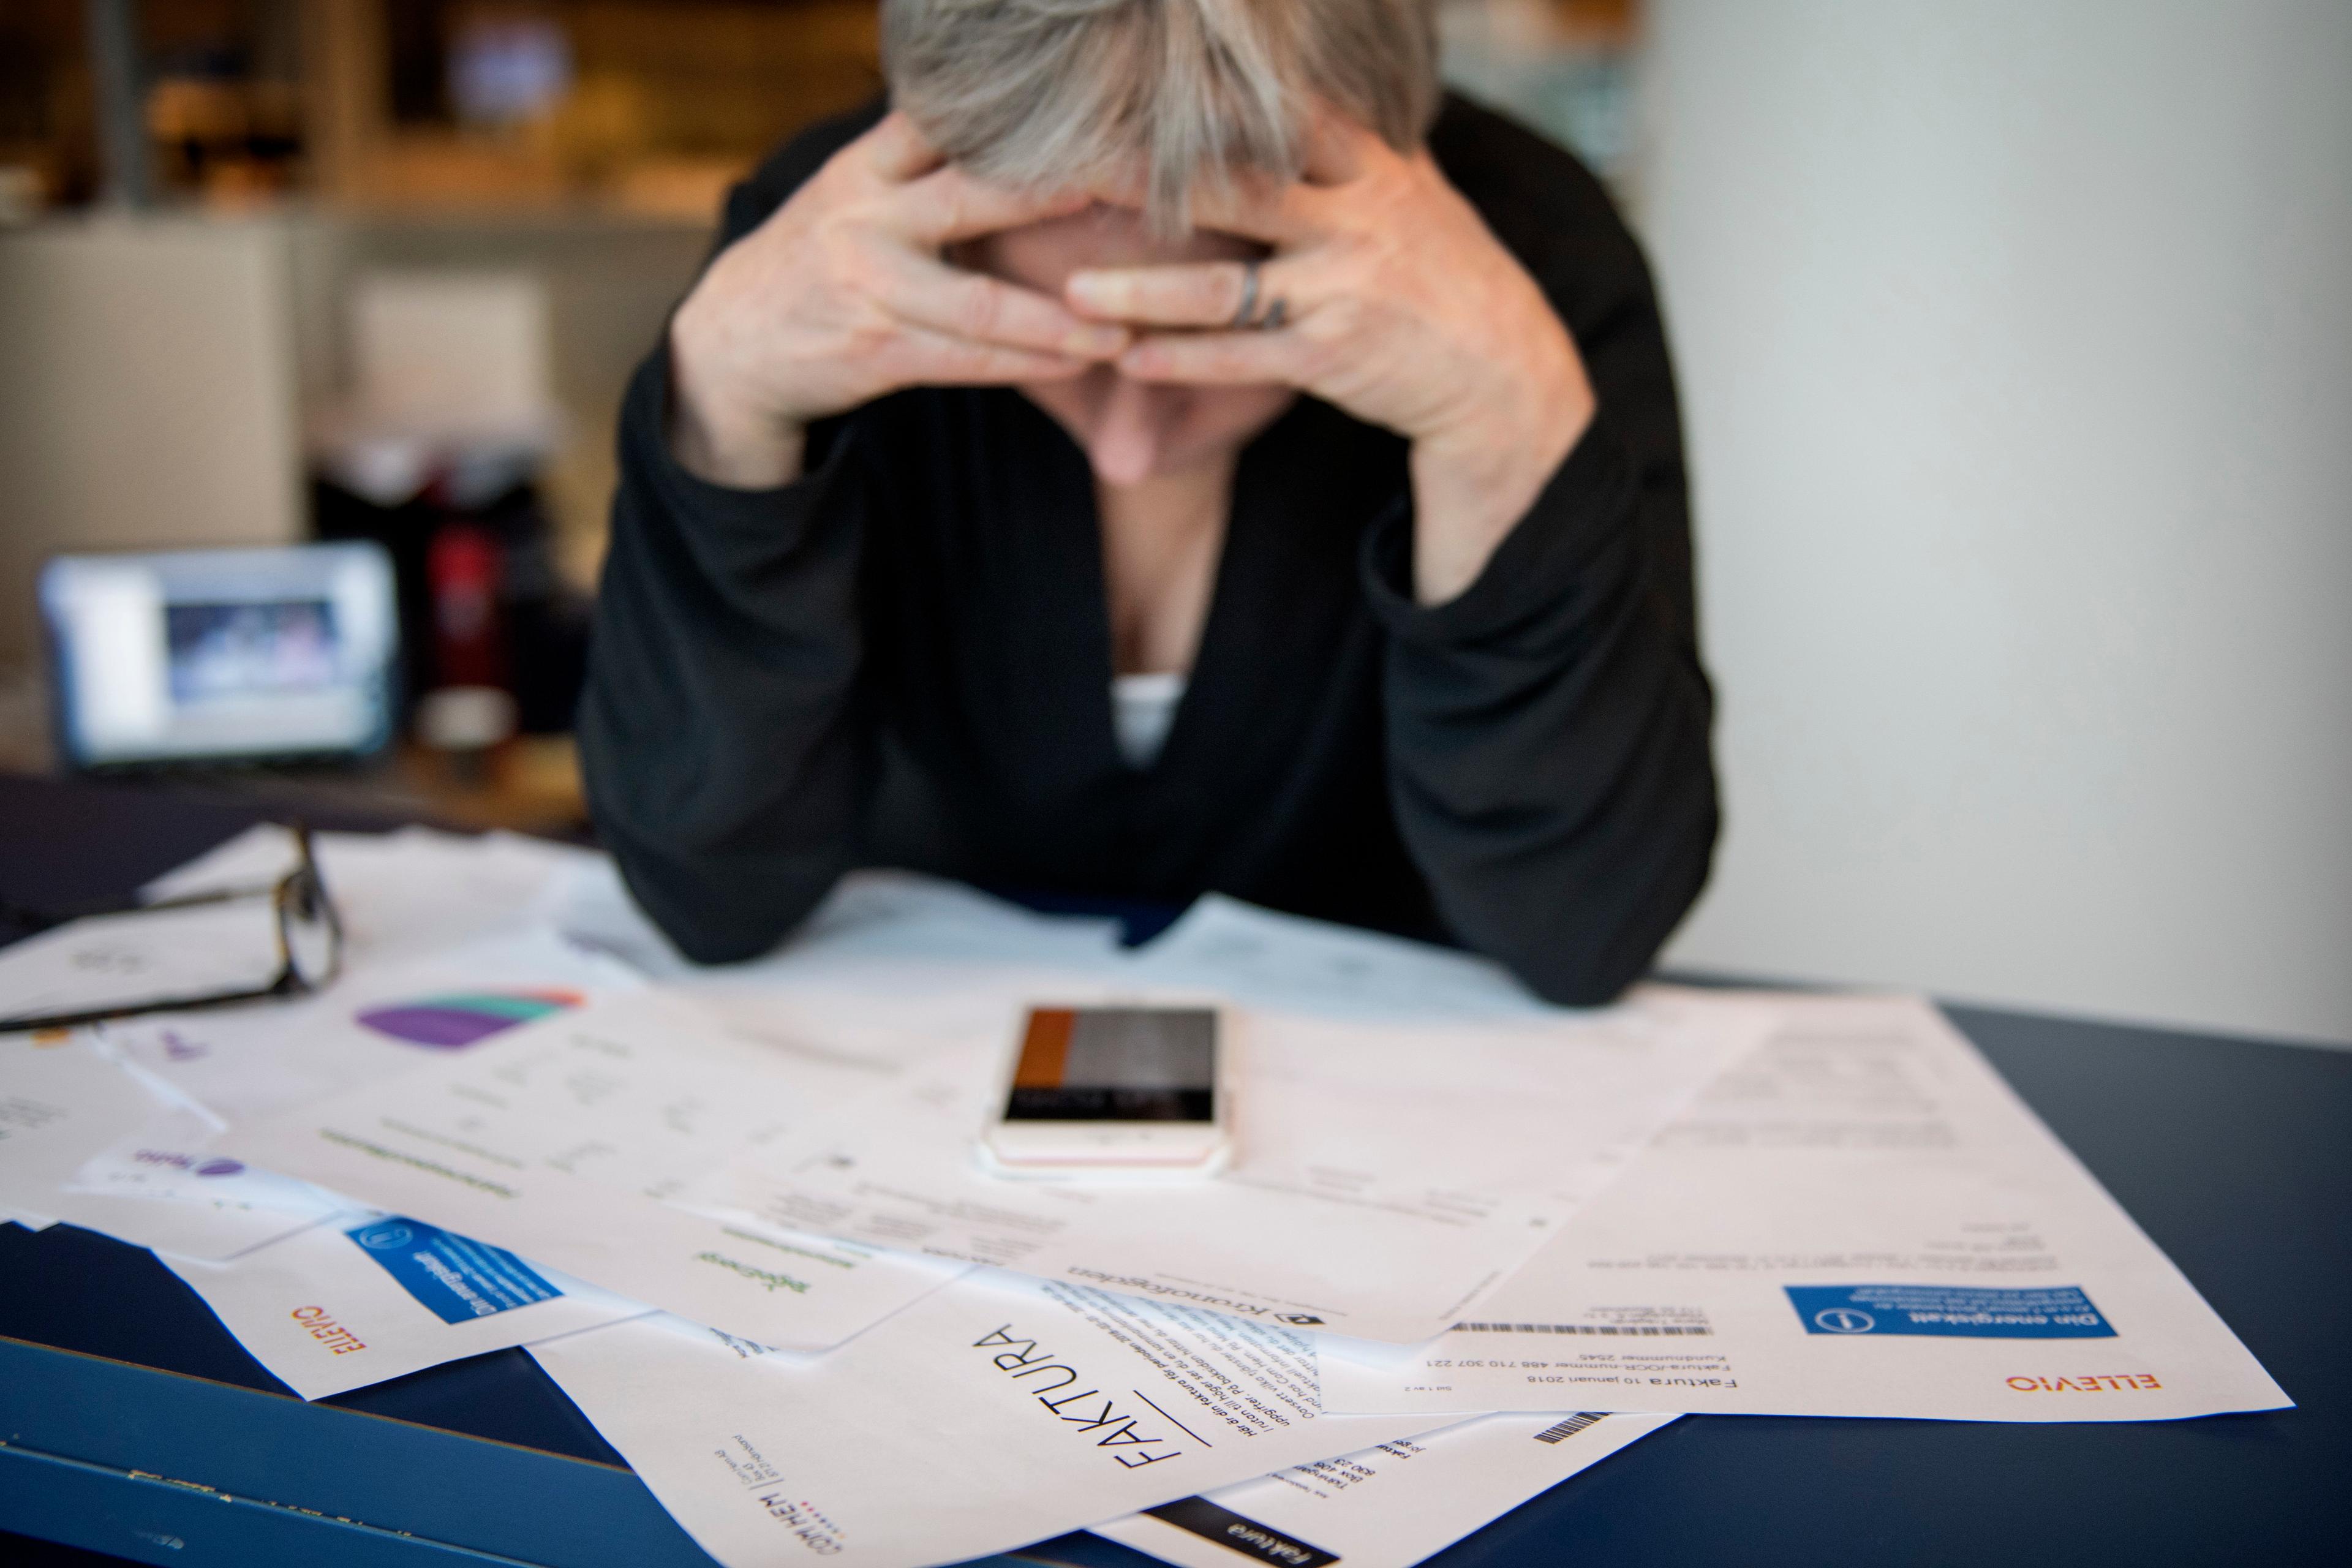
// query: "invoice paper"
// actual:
[[1390, 1163], [409, 891], [995, 1411], [168, 1161], [201, 1230], [896, 914], [128, 959], [366, 1297], [61, 1101], [162, 1188], [380, 1017], [562, 1140], [1385, 1507], [1264, 958], [1861, 1219]]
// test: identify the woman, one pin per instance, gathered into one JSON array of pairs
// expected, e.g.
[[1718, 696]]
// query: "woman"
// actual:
[[1172, 451]]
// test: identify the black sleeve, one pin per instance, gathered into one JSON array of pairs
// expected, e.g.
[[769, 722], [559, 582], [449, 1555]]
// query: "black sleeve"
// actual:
[[1548, 750], [719, 735]]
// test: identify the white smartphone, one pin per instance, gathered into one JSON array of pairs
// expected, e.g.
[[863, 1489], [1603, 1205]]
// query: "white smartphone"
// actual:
[[1112, 1091]]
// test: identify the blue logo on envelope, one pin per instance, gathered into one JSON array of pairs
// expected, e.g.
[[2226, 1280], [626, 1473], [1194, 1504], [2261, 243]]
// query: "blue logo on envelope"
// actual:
[[457, 1278], [2052, 1312]]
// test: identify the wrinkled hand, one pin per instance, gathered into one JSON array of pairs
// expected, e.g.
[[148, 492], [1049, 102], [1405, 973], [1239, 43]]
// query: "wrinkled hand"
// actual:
[[842, 296], [1400, 307]]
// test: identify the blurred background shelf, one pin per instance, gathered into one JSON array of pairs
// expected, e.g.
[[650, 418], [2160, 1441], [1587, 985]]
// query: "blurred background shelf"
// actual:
[[208, 206], [642, 107]]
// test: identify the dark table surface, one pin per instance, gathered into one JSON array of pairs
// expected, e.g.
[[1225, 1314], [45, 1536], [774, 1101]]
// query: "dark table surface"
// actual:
[[2234, 1155]]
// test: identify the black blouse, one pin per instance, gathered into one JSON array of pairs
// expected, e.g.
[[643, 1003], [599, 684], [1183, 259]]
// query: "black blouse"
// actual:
[[903, 658]]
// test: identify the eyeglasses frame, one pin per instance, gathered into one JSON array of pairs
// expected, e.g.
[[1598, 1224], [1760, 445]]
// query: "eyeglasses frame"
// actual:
[[301, 884]]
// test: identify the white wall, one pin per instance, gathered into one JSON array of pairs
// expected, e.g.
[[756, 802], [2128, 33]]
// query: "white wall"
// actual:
[[2017, 346]]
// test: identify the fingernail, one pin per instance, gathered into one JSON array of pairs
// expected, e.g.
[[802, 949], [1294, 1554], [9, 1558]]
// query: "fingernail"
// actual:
[[1094, 290]]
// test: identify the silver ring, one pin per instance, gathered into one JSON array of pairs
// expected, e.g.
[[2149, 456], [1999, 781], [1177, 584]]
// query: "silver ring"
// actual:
[[1273, 314], [1249, 296]]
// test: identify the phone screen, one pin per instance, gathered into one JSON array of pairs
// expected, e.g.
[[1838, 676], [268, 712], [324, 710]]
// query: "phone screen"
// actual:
[[1116, 1064]]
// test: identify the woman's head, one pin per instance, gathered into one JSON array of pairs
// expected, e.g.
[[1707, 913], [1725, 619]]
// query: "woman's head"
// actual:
[[1154, 99], [1162, 96]]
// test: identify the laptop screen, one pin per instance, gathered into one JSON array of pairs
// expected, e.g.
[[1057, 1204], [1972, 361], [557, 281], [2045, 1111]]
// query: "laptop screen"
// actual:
[[222, 655]]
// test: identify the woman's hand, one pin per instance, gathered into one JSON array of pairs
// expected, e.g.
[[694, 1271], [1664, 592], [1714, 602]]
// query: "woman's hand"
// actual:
[[842, 296], [1401, 308]]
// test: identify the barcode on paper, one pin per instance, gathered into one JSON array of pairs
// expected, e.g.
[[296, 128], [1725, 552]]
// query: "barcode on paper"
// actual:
[[1570, 1427]]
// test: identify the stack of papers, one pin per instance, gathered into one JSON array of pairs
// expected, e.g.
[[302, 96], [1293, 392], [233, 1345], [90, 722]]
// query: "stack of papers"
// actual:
[[1467, 1245]]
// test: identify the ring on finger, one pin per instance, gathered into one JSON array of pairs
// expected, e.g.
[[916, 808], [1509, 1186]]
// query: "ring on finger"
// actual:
[[1249, 296], [1246, 318]]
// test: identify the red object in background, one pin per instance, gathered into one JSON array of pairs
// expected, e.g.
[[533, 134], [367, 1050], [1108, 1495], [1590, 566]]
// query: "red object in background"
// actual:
[[461, 569]]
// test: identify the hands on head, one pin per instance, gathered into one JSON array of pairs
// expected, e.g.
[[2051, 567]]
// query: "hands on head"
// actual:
[[1400, 306], [844, 295]]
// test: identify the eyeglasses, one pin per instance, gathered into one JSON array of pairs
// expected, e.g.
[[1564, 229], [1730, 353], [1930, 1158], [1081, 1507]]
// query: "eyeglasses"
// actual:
[[308, 931]]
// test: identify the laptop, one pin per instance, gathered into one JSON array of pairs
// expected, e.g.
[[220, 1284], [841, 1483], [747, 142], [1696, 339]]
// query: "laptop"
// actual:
[[209, 656]]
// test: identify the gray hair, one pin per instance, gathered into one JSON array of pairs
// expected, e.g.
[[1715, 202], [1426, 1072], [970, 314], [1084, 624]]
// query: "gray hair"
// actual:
[[1051, 94]]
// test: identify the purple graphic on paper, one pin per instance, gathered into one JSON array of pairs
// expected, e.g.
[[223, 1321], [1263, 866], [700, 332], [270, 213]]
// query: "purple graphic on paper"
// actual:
[[178, 1047], [453, 1022], [199, 1164]]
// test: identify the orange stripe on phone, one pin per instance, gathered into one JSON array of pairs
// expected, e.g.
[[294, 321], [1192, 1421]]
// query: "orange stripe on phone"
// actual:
[[1046, 1048]]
